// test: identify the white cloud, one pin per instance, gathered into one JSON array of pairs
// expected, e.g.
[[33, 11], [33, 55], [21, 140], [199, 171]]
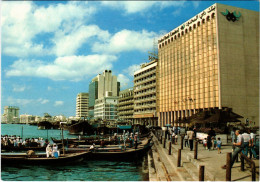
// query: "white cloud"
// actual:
[[19, 88], [73, 68], [49, 88], [58, 103], [22, 22], [43, 101], [124, 81], [127, 40], [131, 69], [68, 44], [141, 6]]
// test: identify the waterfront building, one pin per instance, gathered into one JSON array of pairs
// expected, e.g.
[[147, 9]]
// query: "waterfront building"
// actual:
[[104, 91], [145, 94], [210, 62], [106, 108], [11, 114], [93, 95], [27, 119], [126, 105], [82, 103]]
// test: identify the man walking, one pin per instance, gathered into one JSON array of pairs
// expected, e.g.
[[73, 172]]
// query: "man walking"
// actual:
[[190, 134]]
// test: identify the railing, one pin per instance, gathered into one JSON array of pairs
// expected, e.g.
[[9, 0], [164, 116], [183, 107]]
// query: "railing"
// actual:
[[252, 164]]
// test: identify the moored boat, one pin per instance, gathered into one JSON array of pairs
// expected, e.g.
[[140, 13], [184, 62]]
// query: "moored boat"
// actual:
[[41, 159]]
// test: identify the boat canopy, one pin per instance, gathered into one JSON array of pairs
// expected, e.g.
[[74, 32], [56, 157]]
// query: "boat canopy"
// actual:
[[124, 127]]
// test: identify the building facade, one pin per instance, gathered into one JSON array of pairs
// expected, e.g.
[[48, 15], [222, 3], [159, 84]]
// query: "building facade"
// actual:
[[82, 104], [103, 90], [145, 94], [210, 61], [106, 108], [11, 114], [126, 105]]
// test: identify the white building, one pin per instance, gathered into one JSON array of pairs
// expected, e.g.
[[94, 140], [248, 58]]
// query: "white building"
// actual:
[[11, 114], [26, 118], [82, 105]]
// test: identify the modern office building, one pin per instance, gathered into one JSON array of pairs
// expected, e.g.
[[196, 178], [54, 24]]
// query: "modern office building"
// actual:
[[11, 114], [126, 105], [209, 62], [103, 90], [82, 104], [145, 94]]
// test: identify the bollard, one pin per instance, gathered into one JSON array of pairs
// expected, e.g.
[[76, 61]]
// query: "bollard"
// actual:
[[228, 167], [242, 164], [253, 171], [170, 148], [164, 142], [201, 173], [196, 150], [161, 139], [173, 140], [179, 158], [182, 142]]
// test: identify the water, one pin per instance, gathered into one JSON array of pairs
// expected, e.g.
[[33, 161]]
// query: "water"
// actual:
[[87, 170]]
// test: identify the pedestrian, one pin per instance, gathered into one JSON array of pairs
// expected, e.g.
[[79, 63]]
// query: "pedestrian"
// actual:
[[186, 140], [48, 151], [238, 148], [135, 140], [173, 137], [205, 143], [252, 145], [55, 151], [209, 142], [190, 134], [233, 138], [246, 138], [219, 143], [176, 139]]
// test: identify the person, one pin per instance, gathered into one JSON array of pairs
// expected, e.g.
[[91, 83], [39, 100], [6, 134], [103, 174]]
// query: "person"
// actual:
[[252, 145], [55, 151], [48, 150], [186, 140], [92, 147], [209, 142], [213, 143], [238, 148], [190, 134], [205, 143], [195, 132], [135, 140], [173, 137], [219, 145], [246, 138], [233, 138], [176, 139]]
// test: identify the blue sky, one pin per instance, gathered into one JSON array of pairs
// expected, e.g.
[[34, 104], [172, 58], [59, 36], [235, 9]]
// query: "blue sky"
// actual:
[[51, 50]]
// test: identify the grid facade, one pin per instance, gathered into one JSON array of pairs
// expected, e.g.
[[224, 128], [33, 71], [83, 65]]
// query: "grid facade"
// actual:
[[126, 105], [82, 105]]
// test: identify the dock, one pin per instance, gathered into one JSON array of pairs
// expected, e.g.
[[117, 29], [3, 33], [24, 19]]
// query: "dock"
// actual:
[[163, 165]]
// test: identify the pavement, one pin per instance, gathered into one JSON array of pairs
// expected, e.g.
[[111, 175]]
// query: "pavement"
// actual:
[[163, 167]]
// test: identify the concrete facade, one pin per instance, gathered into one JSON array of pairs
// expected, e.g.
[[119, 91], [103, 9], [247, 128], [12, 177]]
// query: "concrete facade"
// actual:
[[106, 108], [210, 61], [11, 114], [82, 103], [145, 94], [126, 105]]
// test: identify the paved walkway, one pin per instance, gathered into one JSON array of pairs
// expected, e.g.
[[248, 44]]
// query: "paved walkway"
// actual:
[[189, 170]]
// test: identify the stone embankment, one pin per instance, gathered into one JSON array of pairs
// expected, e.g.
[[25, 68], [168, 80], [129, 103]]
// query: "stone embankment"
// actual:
[[163, 165]]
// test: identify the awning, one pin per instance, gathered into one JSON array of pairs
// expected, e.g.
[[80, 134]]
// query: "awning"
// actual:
[[124, 127]]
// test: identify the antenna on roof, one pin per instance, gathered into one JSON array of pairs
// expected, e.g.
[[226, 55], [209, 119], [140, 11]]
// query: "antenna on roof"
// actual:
[[154, 54]]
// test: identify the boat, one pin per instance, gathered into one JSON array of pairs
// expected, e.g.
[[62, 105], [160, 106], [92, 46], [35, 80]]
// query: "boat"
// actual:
[[41, 159], [21, 148]]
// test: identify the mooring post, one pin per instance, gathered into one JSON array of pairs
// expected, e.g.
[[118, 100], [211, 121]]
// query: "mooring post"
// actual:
[[228, 167], [253, 171], [242, 164], [164, 142], [179, 158], [173, 140], [201, 173], [161, 139], [170, 148], [196, 150], [182, 142]]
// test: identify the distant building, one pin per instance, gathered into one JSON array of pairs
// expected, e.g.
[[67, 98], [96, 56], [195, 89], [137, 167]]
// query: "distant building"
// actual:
[[27, 119], [210, 62], [103, 90], [11, 114], [106, 108], [145, 94], [82, 104], [126, 105]]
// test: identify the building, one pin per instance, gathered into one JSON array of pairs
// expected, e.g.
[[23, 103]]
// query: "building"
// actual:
[[210, 61], [106, 108], [103, 90], [27, 119], [11, 114], [126, 105], [82, 104], [145, 94]]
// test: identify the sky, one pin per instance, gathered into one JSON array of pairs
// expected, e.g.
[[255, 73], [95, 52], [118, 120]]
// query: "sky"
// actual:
[[50, 50]]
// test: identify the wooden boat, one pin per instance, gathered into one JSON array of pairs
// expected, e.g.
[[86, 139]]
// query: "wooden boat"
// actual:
[[21, 148], [41, 159]]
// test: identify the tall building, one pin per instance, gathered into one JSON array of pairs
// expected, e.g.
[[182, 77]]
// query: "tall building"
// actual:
[[103, 90], [145, 94], [210, 62], [11, 114], [82, 104], [126, 105]]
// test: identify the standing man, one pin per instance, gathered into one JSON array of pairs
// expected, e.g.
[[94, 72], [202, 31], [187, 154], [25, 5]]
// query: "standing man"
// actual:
[[190, 134], [246, 138], [238, 148]]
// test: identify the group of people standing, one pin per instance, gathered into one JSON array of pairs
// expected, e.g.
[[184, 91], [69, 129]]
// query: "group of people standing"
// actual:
[[17, 141]]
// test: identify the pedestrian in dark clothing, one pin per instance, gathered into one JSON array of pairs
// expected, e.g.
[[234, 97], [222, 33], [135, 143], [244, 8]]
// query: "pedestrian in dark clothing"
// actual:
[[209, 142]]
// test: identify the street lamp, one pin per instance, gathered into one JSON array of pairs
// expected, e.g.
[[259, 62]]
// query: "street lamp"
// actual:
[[62, 136]]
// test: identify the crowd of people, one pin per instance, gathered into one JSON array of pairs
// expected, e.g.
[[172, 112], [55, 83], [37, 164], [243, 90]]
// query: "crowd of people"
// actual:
[[17, 141]]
